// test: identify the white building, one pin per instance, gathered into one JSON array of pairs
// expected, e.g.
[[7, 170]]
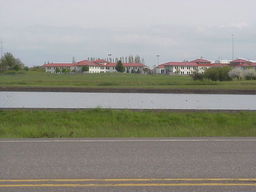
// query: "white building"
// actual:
[[97, 66], [185, 68]]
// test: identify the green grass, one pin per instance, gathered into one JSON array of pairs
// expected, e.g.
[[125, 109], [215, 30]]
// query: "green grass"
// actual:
[[115, 80], [119, 123]]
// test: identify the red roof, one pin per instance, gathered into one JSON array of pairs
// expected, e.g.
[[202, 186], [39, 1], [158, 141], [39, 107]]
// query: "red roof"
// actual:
[[190, 64], [85, 62], [240, 61], [160, 66], [111, 64], [200, 61], [246, 65], [180, 64], [133, 65], [59, 65], [100, 61]]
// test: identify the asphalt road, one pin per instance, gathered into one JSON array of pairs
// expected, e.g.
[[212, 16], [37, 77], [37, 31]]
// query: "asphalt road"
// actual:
[[197, 164]]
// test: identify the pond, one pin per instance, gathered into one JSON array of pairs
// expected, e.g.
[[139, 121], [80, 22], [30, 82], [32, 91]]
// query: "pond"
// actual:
[[126, 100]]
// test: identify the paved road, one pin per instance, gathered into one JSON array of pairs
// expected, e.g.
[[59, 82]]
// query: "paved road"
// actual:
[[198, 164]]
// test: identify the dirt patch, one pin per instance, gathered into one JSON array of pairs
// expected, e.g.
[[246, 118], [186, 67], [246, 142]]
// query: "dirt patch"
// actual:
[[128, 90]]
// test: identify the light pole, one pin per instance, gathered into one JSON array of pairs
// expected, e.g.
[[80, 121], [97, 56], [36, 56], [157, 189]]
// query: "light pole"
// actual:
[[233, 47], [157, 58]]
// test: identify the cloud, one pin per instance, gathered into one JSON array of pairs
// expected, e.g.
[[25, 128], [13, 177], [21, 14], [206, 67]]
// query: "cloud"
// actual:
[[42, 30]]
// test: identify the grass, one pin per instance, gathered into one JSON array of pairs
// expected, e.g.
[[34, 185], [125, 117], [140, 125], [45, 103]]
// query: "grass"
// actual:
[[116, 80], [119, 123]]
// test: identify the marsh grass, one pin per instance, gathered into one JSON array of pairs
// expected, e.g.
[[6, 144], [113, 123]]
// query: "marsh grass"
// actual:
[[116, 80], [121, 123]]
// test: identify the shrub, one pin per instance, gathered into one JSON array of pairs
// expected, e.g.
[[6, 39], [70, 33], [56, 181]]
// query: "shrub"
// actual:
[[85, 68], [197, 76], [218, 74], [250, 74], [120, 67], [236, 73]]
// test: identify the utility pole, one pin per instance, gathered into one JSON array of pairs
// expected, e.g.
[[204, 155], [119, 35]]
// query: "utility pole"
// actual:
[[1, 48], [233, 47], [157, 57]]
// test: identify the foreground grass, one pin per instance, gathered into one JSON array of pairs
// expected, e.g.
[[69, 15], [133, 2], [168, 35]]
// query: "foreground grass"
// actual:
[[115, 123], [115, 80]]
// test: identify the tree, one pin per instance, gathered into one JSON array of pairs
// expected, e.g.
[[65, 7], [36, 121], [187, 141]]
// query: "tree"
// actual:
[[137, 59], [57, 70], [9, 62], [197, 76], [120, 67], [85, 68], [218, 74]]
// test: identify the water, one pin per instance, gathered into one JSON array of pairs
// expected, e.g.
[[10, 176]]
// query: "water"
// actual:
[[126, 100]]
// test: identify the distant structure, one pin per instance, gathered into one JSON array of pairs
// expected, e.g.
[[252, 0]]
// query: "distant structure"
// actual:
[[199, 65], [94, 66]]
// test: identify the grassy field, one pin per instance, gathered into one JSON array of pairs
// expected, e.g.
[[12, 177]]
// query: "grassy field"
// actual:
[[115, 123], [116, 80]]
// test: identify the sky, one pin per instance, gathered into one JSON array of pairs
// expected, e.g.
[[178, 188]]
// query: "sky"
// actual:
[[38, 31]]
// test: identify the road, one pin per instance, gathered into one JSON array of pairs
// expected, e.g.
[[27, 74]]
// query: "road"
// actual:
[[184, 164]]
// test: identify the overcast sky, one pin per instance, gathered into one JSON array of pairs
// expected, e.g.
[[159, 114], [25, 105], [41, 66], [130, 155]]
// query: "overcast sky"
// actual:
[[56, 30]]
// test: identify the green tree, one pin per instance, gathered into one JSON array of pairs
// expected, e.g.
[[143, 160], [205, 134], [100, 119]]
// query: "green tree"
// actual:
[[9, 62], [57, 70], [218, 74], [85, 68], [120, 67]]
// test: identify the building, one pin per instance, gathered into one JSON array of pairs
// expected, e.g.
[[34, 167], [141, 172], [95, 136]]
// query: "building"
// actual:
[[186, 67], [243, 64], [97, 66], [198, 65]]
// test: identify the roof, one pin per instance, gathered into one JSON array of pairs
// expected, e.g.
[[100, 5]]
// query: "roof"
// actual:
[[100, 61], [133, 65], [200, 61], [191, 64], [246, 65], [160, 66], [180, 64], [240, 61], [85, 62], [59, 65], [111, 64]]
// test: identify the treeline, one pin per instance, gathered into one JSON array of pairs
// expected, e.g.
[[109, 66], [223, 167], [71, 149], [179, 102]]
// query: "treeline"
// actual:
[[9, 62], [226, 74], [128, 59]]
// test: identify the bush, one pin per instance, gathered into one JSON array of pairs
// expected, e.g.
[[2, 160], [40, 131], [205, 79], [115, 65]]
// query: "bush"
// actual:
[[120, 67], [218, 74], [236, 73], [197, 76], [85, 68], [250, 74]]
